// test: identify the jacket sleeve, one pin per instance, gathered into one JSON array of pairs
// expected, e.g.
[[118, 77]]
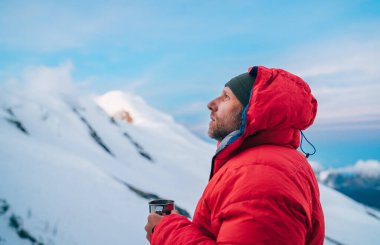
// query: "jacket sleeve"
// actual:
[[177, 229], [262, 221]]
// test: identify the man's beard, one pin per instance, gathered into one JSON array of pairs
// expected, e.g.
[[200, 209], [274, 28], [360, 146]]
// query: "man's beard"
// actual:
[[226, 126]]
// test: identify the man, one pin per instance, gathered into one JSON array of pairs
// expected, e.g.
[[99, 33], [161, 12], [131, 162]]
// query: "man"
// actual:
[[261, 189]]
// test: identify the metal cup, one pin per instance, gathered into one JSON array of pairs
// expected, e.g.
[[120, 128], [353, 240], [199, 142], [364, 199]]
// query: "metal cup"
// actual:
[[161, 206]]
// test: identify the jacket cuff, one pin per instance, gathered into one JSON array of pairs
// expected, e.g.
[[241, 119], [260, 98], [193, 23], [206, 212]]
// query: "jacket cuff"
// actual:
[[166, 226]]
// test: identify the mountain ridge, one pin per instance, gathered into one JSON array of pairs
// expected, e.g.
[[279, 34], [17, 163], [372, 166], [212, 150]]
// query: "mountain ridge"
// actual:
[[63, 187]]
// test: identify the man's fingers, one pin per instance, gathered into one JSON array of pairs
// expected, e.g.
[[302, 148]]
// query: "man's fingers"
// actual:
[[174, 212], [153, 220]]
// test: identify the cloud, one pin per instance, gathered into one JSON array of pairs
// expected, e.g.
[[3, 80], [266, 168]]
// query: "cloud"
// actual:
[[344, 76], [57, 25], [44, 80], [41, 24], [336, 57], [369, 168], [316, 166], [53, 25], [349, 104]]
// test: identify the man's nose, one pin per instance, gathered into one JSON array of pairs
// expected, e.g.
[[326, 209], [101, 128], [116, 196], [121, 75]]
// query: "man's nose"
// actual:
[[212, 105]]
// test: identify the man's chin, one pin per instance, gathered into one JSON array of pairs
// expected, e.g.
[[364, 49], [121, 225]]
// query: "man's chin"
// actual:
[[211, 133]]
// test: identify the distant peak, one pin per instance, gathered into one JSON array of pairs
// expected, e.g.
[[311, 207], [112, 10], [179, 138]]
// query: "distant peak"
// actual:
[[123, 105]]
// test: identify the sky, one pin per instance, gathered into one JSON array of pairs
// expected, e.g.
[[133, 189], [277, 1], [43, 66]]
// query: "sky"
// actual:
[[177, 55]]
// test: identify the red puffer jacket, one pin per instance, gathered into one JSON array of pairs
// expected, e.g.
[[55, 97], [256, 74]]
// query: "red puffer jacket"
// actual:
[[262, 190]]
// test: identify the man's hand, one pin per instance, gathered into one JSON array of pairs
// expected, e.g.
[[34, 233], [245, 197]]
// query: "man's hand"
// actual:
[[153, 220]]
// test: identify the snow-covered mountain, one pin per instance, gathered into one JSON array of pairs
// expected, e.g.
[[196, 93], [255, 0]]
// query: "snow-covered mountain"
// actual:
[[80, 169], [360, 181]]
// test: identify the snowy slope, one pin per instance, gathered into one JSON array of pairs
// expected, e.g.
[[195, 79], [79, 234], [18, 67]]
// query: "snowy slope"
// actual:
[[69, 174], [347, 221]]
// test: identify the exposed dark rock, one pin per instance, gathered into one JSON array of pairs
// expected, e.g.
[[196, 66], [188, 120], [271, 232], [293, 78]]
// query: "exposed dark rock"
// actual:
[[14, 121], [113, 121], [151, 196], [183, 211], [372, 214], [23, 234], [15, 222], [146, 155], [143, 194], [18, 125], [4, 206], [93, 133], [333, 241], [138, 147], [10, 112]]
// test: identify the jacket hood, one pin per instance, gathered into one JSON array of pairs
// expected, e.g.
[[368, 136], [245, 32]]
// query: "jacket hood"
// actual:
[[281, 104]]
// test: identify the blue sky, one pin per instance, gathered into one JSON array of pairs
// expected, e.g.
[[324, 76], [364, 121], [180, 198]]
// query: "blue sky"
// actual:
[[177, 55]]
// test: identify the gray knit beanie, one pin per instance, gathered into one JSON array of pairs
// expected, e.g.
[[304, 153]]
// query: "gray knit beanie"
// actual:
[[242, 85]]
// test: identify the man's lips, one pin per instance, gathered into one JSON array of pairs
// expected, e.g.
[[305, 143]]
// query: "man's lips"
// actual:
[[212, 120]]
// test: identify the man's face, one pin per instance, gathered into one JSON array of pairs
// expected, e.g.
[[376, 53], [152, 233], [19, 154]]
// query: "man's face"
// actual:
[[226, 112]]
